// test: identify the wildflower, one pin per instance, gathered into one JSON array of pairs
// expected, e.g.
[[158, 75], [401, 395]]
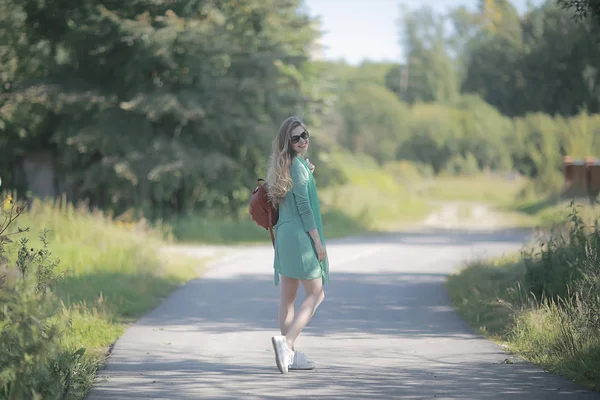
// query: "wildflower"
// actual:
[[8, 202]]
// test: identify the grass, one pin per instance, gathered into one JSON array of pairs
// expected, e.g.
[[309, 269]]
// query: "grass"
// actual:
[[116, 263], [541, 305], [370, 200], [372, 195], [394, 196], [375, 198], [494, 190], [115, 272], [549, 211], [489, 296], [485, 293], [231, 231]]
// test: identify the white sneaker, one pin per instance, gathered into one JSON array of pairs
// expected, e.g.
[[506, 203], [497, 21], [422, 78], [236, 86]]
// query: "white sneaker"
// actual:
[[283, 355], [301, 362]]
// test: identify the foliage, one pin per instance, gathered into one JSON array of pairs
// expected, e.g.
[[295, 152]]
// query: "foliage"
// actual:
[[444, 136], [431, 75], [33, 362], [374, 121], [169, 108], [582, 8], [495, 110], [158, 105], [371, 195], [565, 264], [57, 319], [521, 69], [542, 305], [462, 165]]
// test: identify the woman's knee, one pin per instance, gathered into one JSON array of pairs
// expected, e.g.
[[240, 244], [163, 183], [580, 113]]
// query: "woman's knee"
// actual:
[[318, 297]]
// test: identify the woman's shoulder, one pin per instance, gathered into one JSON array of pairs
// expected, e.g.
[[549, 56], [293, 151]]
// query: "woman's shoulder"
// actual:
[[298, 169], [296, 163]]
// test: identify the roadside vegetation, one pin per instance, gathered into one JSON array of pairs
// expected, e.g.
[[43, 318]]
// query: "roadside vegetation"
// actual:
[[71, 279], [542, 303], [158, 116]]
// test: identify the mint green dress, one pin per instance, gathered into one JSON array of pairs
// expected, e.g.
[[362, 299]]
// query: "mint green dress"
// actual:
[[299, 213]]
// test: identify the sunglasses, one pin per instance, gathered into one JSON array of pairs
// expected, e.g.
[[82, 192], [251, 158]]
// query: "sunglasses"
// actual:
[[296, 138]]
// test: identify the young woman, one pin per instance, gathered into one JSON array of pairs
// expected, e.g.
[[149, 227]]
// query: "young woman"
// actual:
[[300, 255]]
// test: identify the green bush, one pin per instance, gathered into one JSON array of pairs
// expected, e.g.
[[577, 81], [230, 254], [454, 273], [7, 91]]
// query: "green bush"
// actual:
[[466, 134], [435, 135], [374, 121], [486, 133], [58, 319], [542, 305], [408, 171], [564, 264], [33, 362], [462, 166]]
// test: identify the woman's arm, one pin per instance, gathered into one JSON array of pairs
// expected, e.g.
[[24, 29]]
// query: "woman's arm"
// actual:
[[300, 179], [314, 234]]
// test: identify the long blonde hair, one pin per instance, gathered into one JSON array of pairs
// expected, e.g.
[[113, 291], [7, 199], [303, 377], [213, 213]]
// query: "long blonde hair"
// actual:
[[279, 180]]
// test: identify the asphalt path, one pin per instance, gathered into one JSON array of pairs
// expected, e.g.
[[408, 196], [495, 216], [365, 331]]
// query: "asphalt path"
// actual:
[[386, 330]]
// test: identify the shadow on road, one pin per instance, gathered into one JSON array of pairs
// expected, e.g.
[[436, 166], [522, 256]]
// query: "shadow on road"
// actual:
[[403, 304], [198, 378], [441, 236], [390, 303], [378, 334]]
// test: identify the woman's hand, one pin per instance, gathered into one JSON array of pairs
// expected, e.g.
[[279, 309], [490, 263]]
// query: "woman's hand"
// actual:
[[321, 252], [310, 166]]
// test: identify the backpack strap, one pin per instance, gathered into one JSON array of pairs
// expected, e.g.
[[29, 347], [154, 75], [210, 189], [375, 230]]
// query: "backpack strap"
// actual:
[[270, 212], [271, 227]]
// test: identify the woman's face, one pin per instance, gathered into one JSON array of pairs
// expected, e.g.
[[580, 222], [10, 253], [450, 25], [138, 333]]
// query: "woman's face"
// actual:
[[299, 138]]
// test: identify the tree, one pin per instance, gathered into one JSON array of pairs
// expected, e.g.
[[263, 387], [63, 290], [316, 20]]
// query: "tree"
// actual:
[[431, 75], [545, 62], [465, 26], [374, 121], [170, 106], [582, 8]]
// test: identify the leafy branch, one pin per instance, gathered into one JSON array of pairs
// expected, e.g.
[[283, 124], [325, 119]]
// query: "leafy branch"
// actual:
[[582, 8]]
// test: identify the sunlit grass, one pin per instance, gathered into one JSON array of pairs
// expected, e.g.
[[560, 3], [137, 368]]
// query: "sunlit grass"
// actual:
[[542, 305], [373, 198], [115, 272], [496, 190], [490, 296]]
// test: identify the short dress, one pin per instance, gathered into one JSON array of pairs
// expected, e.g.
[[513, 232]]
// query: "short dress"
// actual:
[[300, 212]]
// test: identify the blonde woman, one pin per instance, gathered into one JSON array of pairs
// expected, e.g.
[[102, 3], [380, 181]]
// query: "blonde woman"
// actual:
[[300, 254]]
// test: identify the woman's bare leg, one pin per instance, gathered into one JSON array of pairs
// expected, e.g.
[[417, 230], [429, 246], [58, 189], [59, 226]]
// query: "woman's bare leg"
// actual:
[[314, 297], [289, 289]]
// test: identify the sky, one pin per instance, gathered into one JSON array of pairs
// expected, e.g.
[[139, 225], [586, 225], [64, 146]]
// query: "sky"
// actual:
[[368, 29]]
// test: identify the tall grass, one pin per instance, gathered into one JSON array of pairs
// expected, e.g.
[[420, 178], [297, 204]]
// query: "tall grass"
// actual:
[[544, 302], [496, 190], [370, 198], [111, 272], [372, 194]]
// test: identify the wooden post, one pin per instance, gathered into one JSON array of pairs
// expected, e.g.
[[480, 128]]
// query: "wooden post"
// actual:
[[592, 178], [575, 177]]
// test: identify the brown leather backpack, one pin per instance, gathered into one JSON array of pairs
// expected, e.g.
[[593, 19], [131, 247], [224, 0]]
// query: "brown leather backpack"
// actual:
[[262, 211]]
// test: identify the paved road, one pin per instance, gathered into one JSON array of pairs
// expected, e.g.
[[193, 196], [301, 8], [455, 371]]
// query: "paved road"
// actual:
[[385, 330]]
